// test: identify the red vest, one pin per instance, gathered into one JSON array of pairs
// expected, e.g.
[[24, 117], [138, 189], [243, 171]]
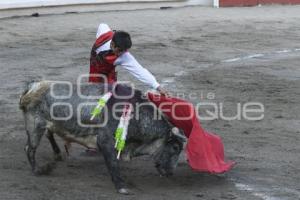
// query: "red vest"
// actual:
[[103, 63]]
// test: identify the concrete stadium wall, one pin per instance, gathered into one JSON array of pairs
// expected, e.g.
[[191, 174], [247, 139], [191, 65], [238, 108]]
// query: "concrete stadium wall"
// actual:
[[229, 3], [11, 4]]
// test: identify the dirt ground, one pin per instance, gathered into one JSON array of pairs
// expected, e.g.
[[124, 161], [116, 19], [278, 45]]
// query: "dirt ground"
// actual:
[[239, 54]]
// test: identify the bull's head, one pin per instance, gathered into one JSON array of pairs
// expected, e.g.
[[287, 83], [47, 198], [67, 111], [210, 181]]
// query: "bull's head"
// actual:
[[167, 158]]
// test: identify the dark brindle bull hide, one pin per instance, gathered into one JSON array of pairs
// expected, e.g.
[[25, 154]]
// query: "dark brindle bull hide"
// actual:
[[146, 135]]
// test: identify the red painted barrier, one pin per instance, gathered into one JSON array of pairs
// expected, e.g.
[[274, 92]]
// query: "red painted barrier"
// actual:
[[279, 1], [231, 3]]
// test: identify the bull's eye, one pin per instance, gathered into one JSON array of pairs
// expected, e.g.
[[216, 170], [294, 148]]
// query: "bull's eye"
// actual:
[[176, 148]]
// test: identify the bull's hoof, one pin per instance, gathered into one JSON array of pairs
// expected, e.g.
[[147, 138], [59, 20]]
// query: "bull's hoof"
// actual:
[[58, 157], [126, 157], [124, 191], [89, 153], [169, 174], [44, 170], [160, 171]]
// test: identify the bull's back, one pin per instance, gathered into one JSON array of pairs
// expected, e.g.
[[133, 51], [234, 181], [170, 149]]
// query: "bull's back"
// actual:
[[67, 108]]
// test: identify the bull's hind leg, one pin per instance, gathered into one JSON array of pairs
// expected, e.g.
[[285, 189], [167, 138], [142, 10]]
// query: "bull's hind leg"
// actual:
[[55, 147], [35, 128], [105, 142]]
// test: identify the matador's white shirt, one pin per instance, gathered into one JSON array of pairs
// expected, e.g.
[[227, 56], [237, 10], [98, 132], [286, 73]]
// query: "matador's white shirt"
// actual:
[[127, 61]]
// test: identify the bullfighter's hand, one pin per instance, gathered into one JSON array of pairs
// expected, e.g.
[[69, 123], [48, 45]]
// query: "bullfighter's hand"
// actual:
[[162, 91]]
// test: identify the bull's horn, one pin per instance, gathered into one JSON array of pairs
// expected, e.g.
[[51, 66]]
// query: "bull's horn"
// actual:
[[176, 132]]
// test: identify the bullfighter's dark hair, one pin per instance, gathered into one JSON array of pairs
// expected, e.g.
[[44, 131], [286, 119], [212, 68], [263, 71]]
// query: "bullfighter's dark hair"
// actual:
[[122, 40]]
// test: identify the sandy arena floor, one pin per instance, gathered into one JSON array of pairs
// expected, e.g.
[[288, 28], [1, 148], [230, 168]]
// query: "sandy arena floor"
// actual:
[[239, 54]]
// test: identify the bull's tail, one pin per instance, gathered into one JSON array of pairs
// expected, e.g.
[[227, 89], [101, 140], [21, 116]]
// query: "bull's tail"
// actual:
[[21, 102]]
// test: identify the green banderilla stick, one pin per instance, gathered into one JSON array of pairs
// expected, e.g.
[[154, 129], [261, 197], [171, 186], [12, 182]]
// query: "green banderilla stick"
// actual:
[[100, 105], [118, 135], [120, 147], [121, 132], [97, 110]]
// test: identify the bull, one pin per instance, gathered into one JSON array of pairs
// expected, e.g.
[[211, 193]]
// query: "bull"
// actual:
[[50, 108]]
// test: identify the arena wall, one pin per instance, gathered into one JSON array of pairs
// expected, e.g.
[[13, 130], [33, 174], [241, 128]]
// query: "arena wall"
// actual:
[[229, 3]]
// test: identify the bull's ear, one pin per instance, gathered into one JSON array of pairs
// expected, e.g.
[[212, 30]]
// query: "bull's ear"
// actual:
[[176, 132]]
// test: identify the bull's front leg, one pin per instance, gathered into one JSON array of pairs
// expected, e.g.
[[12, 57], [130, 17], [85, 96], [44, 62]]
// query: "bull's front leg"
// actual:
[[105, 142]]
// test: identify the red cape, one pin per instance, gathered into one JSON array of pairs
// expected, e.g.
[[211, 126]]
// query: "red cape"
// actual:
[[205, 151]]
